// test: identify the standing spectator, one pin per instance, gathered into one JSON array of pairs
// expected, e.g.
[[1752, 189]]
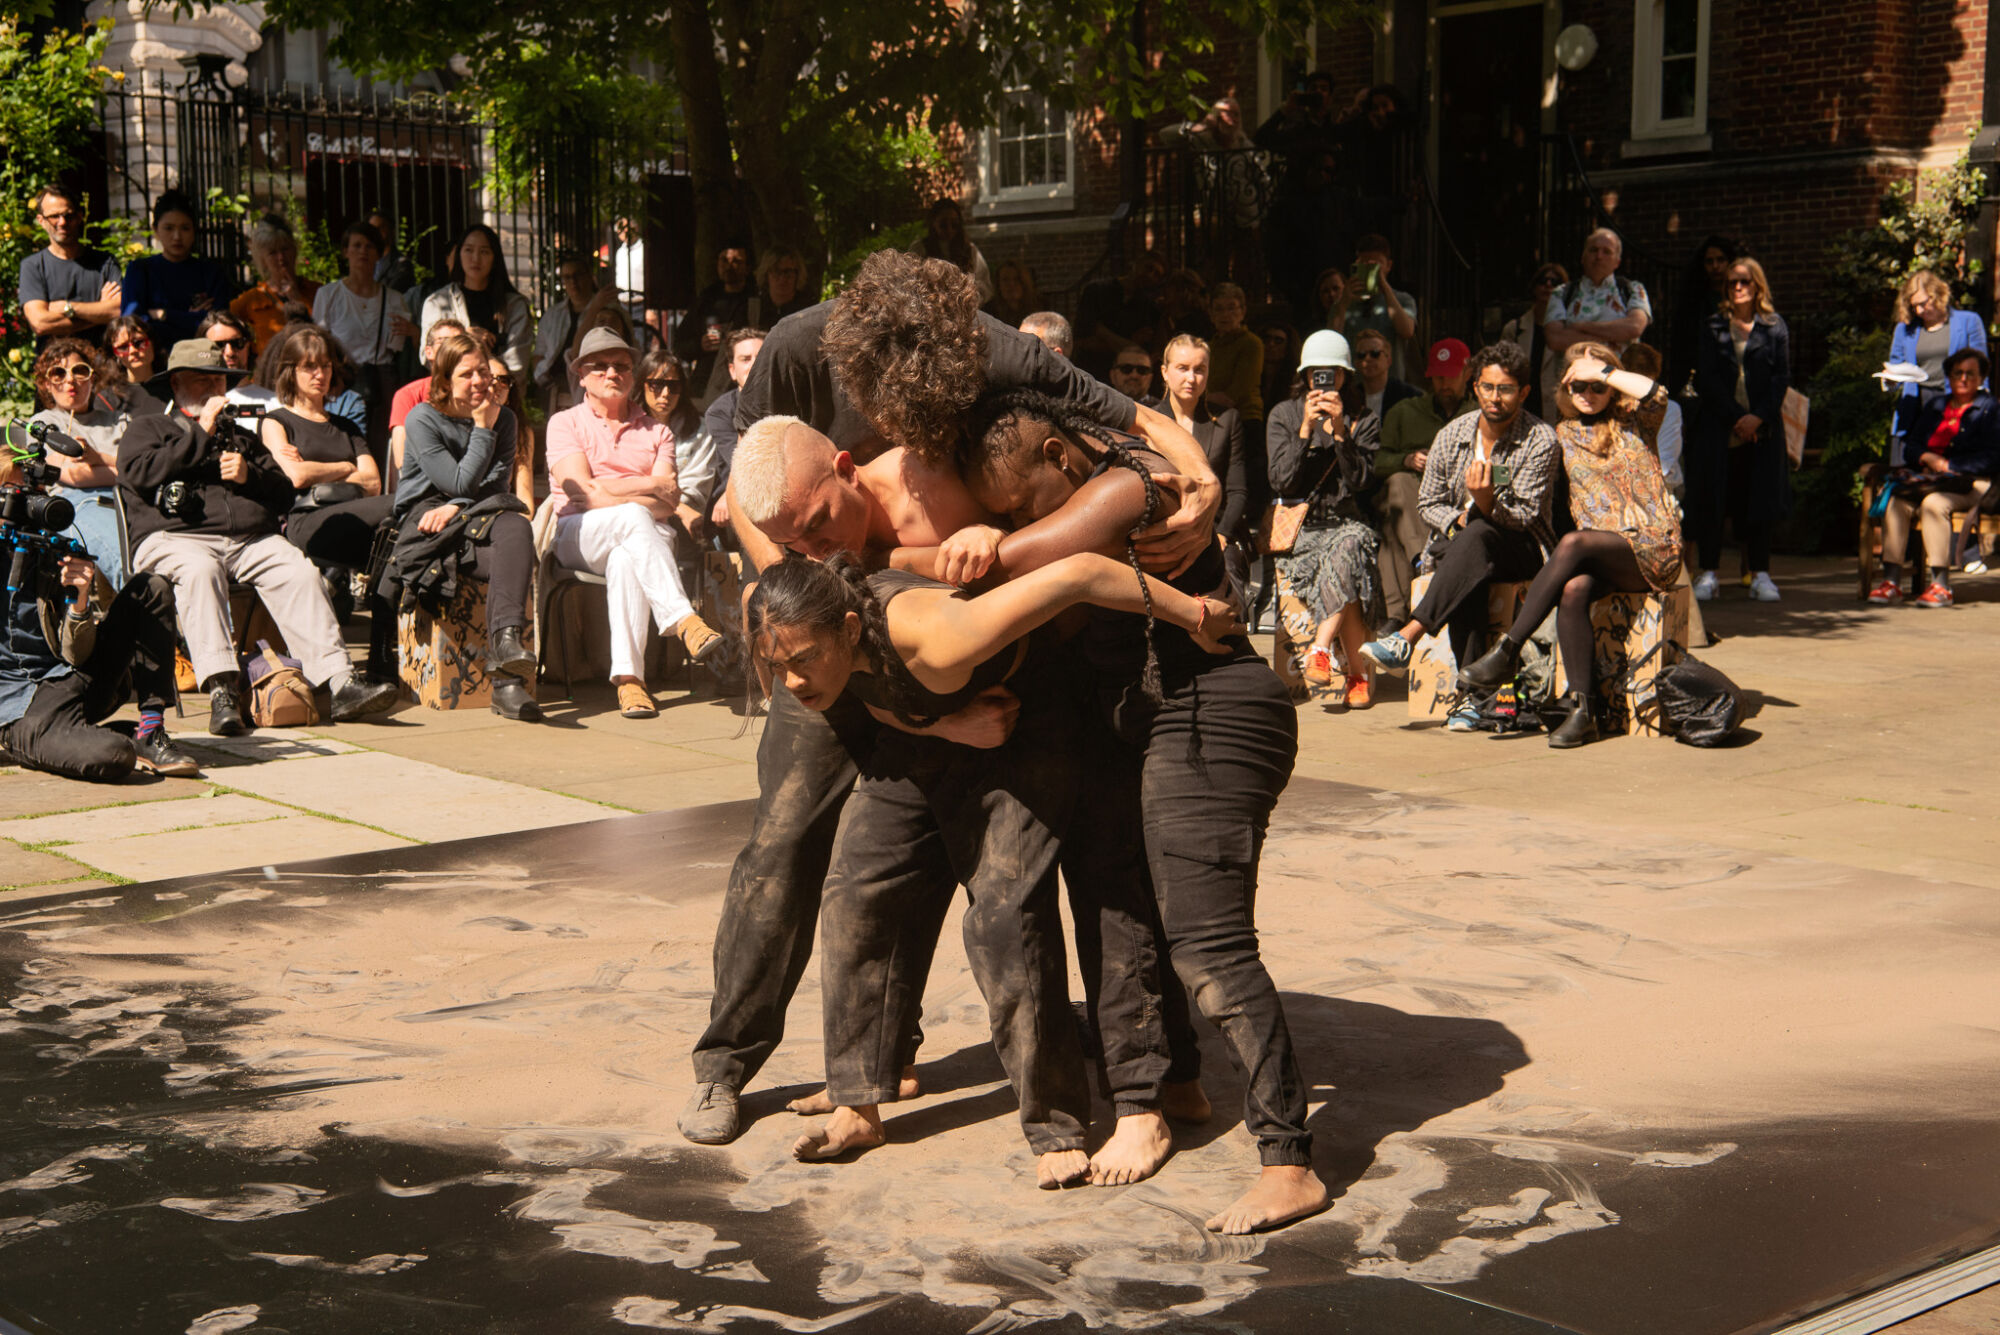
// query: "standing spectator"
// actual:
[[1111, 312], [1408, 429], [1131, 373], [1183, 307], [1298, 239], [1374, 303], [1702, 294], [1529, 332], [1236, 377], [1184, 370], [461, 458], [944, 238], [371, 323], [781, 282], [1379, 390], [1015, 297], [615, 488], [577, 276], [1235, 190], [133, 366], [394, 269], [1737, 460], [730, 302], [1960, 434], [1927, 331], [1487, 494], [1645, 359], [262, 308], [1319, 453], [480, 296], [1053, 330], [1602, 306], [719, 422], [1372, 137], [628, 271], [1330, 296], [225, 527], [171, 288], [67, 289], [1281, 359], [65, 383]]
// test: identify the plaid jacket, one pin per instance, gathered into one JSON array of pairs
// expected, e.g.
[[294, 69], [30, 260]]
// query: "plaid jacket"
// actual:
[[1524, 502]]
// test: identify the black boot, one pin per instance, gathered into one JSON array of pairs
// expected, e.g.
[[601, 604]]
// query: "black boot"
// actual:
[[1493, 669], [506, 653], [511, 699], [225, 708], [355, 697], [1580, 728]]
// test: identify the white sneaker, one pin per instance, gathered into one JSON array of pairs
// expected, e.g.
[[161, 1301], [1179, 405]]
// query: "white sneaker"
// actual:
[[1705, 587], [1762, 589]]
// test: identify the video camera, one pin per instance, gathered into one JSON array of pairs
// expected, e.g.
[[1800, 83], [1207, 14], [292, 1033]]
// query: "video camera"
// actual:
[[32, 522], [231, 436]]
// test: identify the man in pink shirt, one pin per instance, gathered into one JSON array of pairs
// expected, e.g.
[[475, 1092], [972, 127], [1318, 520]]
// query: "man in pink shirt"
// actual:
[[612, 467]]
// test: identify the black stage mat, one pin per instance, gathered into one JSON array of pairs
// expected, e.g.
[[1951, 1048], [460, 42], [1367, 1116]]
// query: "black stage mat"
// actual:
[[1565, 1080]]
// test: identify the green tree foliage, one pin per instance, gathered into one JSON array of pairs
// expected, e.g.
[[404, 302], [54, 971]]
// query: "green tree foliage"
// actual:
[[48, 110]]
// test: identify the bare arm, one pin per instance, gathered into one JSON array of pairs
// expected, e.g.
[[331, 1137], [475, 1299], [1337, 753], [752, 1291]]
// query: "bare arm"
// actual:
[[303, 473], [1174, 545]]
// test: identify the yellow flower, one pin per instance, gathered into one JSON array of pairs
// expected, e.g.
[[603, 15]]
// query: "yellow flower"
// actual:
[[118, 76]]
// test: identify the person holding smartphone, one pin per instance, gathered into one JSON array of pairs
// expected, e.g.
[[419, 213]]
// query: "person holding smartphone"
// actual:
[[1375, 303]]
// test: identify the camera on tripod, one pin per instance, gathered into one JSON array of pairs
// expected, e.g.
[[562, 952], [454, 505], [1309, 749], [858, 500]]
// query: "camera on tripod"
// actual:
[[31, 520]]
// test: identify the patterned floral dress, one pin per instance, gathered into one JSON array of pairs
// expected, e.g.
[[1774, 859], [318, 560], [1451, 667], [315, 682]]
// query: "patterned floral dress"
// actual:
[[1623, 491]]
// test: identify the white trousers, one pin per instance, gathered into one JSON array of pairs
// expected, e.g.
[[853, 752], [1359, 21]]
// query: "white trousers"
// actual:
[[635, 554], [201, 566]]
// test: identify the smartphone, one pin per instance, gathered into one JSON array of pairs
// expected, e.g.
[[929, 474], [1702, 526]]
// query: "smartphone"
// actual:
[[1369, 273], [1503, 475], [1323, 377]]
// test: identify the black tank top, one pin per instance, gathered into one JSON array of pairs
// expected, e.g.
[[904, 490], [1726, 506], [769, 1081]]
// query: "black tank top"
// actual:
[[870, 689]]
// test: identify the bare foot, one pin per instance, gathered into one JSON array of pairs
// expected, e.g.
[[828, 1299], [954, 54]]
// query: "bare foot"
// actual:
[[1135, 1152], [817, 1104], [1282, 1194], [1061, 1168], [849, 1129], [1184, 1101]]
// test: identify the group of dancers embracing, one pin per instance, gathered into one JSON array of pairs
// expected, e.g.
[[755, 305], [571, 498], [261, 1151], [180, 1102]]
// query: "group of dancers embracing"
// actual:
[[998, 632]]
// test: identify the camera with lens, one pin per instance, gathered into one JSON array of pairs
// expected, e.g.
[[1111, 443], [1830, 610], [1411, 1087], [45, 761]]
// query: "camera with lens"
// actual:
[[236, 432], [31, 520]]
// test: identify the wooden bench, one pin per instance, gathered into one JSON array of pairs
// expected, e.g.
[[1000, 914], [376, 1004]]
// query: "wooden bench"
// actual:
[[1869, 548], [1650, 629]]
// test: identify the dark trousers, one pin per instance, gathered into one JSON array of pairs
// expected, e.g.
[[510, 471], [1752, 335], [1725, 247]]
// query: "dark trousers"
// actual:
[[1481, 553], [1220, 752], [506, 561], [1745, 483], [344, 535], [805, 771], [58, 733], [926, 816]]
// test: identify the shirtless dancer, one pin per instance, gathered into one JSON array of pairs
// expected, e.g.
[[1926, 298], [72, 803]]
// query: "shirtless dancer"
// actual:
[[887, 373]]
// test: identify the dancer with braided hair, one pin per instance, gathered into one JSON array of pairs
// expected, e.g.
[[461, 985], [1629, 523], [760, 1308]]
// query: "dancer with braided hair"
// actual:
[[1215, 737], [928, 815]]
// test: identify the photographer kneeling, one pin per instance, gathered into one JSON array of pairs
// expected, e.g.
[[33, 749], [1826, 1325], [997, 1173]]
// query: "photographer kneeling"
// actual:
[[203, 501]]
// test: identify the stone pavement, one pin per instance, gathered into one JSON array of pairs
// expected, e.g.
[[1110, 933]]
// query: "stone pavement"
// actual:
[[1871, 745]]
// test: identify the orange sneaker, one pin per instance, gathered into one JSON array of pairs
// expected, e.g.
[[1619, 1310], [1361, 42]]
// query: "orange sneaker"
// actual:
[[1885, 593], [1360, 692], [1318, 667]]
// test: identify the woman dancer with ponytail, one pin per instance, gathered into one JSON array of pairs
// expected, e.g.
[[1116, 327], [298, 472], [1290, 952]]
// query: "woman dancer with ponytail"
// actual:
[[1216, 737], [928, 814]]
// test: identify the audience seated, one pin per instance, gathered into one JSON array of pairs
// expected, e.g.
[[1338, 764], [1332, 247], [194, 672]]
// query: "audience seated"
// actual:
[[1053, 330], [718, 424], [1378, 390], [1957, 439], [1112, 312], [1408, 429], [276, 253], [1222, 437], [65, 391], [1236, 377]]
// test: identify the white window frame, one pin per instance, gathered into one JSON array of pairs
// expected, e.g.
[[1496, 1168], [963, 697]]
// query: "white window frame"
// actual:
[[1648, 43], [996, 198]]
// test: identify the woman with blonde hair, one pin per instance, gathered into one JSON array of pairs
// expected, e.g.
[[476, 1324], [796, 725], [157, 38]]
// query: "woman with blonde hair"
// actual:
[[1928, 329], [1627, 537], [1735, 460]]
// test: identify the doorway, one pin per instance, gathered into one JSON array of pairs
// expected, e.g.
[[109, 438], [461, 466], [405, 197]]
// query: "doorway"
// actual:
[[1488, 80]]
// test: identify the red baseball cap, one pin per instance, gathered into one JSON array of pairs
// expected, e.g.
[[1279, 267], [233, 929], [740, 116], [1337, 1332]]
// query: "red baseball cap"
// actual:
[[1448, 357]]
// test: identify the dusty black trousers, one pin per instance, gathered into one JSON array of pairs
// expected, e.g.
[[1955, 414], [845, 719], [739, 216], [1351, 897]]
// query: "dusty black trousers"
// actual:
[[1479, 554]]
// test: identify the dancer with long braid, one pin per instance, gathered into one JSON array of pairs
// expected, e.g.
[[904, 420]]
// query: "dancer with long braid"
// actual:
[[1216, 737], [928, 815]]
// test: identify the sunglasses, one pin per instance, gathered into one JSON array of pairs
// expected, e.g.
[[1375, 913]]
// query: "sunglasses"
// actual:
[[503, 381], [1743, 282], [1589, 386], [1371, 354], [661, 386], [62, 373], [1547, 280], [1135, 368], [131, 345], [230, 344]]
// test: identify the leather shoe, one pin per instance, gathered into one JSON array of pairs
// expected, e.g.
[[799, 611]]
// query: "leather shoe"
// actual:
[[158, 754], [357, 697], [511, 699], [506, 653], [712, 1116], [225, 712], [1493, 669], [1579, 728]]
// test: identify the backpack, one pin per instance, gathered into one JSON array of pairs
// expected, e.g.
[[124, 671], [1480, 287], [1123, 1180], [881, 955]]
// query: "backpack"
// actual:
[[280, 695], [1698, 704]]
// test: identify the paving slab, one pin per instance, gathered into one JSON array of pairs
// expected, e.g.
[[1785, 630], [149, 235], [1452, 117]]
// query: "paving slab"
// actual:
[[409, 798], [23, 867], [149, 857], [260, 747], [29, 793], [202, 807]]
